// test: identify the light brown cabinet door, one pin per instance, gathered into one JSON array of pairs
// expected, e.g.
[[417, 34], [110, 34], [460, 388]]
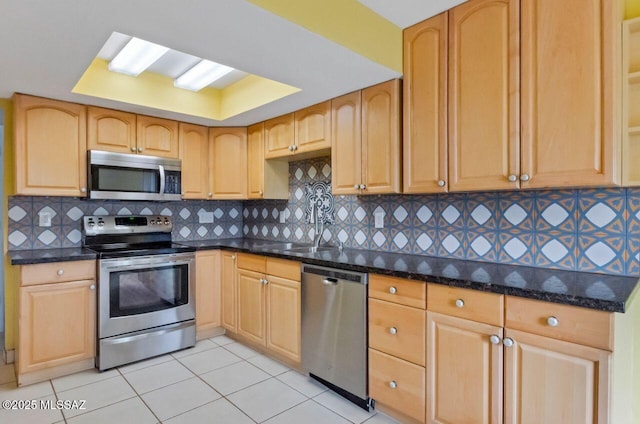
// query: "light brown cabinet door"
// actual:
[[483, 95], [194, 153], [255, 161], [57, 324], [50, 147], [228, 162], [229, 290], [279, 136], [381, 144], [549, 380], [251, 306], [425, 106], [157, 137], [570, 74], [464, 371], [283, 317], [346, 146], [313, 128], [111, 130], [208, 288]]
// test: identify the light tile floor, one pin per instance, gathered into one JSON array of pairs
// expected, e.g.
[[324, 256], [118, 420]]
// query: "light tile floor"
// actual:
[[217, 381]]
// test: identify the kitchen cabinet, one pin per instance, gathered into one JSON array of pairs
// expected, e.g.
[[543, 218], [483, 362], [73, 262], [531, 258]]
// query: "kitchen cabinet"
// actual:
[[157, 137], [50, 147], [366, 145], [208, 291], [483, 95], [229, 288], [631, 102], [57, 320], [424, 97], [111, 130], [397, 345], [194, 153], [228, 163], [269, 304], [278, 136], [266, 179]]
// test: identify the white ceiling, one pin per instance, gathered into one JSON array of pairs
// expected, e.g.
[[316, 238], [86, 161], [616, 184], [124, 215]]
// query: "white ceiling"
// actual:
[[45, 46], [405, 13]]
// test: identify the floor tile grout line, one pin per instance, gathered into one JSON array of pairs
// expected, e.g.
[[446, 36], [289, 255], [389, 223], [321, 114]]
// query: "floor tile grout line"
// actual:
[[139, 396], [81, 385], [339, 414]]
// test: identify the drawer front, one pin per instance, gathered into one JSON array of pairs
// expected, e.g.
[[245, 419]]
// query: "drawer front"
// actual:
[[397, 384], [398, 290], [569, 323], [468, 304], [57, 272], [250, 262], [397, 330], [284, 269]]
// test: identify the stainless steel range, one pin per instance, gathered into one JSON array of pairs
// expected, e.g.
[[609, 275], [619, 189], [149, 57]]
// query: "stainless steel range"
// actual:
[[146, 288]]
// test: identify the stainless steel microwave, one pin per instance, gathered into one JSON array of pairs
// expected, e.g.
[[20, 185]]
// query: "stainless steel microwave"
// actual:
[[123, 176]]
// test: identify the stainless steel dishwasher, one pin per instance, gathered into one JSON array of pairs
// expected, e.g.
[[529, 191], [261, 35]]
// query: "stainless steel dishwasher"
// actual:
[[334, 330]]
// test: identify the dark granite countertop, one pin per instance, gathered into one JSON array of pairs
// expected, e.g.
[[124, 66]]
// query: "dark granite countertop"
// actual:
[[595, 291]]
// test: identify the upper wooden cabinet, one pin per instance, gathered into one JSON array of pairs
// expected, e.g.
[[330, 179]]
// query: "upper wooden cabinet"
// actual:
[[425, 106], [50, 147], [366, 146], [228, 163], [570, 92], [631, 102], [194, 153], [111, 130], [265, 179], [157, 137], [483, 95], [312, 128], [278, 136]]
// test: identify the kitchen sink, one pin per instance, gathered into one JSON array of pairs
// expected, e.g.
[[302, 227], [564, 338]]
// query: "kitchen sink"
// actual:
[[281, 246], [311, 249]]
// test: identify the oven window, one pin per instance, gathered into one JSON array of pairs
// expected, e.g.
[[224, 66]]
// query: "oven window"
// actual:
[[114, 178], [135, 292]]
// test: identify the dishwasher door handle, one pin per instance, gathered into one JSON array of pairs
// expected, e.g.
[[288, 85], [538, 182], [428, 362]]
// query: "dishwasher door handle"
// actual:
[[330, 281]]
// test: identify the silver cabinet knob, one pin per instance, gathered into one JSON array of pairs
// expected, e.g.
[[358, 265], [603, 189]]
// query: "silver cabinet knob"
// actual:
[[441, 183], [393, 330], [459, 303], [363, 186], [133, 149], [209, 194], [512, 178], [139, 149], [83, 189], [182, 193], [233, 257], [508, 342], [356, 186], [393, 384], [262, 281], [92, 287], [393, 290], [553, 321], [494, 339], [60, 271], [291, 148], [525, 177], [260, 193], [295, 147]]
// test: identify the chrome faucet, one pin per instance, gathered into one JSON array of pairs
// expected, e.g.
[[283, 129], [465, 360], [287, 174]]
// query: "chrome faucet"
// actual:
[[314, 218]]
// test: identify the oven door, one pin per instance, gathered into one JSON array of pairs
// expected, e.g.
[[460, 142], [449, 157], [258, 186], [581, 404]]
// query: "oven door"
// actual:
[[144, 292]]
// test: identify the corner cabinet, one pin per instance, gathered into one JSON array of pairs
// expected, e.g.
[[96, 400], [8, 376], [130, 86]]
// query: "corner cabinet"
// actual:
[[366, 142], [194, 153], [50, 147], [157, 137], [266, 179], [228, 163]]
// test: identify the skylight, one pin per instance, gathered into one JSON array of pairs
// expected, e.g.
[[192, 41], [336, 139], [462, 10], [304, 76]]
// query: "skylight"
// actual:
[[136, 56]]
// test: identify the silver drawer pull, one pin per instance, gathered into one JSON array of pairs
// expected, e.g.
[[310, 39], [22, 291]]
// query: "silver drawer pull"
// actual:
[[60, 271], [459, 303], [553, 321], [393, 290], [393, 330], [393, 384]]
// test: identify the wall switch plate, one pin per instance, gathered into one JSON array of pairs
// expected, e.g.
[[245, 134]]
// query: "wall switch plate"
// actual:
[[205, 217], [44, 219], [283, 217], [378, 219]]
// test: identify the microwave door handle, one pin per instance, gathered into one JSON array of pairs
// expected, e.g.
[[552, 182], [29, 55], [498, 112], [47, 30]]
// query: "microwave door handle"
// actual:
[[162, 179]]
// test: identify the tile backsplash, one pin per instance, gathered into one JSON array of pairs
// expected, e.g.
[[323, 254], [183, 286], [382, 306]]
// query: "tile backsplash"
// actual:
[[594, 230]]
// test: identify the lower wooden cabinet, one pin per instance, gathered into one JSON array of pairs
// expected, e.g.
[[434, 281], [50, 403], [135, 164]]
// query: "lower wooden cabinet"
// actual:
[[284, 316], [57, 324], [251, 305], [229, 290], [208, 316]]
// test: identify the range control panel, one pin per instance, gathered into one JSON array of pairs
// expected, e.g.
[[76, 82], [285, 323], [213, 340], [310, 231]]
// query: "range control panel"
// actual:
[[127, 224]]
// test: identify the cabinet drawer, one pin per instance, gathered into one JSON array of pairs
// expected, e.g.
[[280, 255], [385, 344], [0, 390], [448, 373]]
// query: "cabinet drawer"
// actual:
[[57, 272], [562, 322], [252, 262], [284, 268], [468, 304], [398, 290], [397, 384], [397, 330]]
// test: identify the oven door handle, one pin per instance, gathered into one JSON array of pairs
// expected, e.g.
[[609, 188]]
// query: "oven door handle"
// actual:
[[162, 179], [143, 265]]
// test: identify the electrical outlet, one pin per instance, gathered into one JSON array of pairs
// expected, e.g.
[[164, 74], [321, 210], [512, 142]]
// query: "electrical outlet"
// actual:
[[205, 217], [283, 217], [44, 219], [378, 219]]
